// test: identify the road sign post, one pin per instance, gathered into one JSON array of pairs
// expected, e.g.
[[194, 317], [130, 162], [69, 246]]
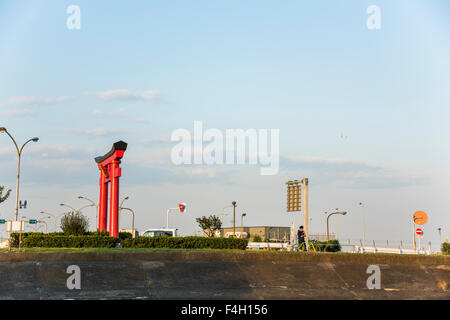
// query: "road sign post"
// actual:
[[420, 218], [181, 208], [419, 233]]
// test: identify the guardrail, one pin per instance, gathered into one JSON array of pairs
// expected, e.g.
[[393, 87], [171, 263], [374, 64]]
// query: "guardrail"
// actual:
[[356, 248], [268, 245], [360, 249]]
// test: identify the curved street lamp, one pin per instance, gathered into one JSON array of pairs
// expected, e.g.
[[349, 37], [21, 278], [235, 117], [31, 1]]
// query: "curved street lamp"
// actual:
[[76, 211], [66, 205], [92, 204], [328, 217], [120, 208], [132, 223], [19, 153], [52, 215]]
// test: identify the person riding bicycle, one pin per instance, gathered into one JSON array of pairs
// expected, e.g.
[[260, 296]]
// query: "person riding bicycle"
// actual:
[[301, 238]]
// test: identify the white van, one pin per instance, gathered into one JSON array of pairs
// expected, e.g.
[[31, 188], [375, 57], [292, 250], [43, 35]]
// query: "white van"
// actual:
[[160, 232]]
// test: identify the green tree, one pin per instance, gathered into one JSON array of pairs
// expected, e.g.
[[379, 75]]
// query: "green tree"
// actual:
[[6, 196], [74, 224], [209, 225]]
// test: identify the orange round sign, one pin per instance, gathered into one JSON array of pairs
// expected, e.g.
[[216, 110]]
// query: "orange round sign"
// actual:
[[420, 218]]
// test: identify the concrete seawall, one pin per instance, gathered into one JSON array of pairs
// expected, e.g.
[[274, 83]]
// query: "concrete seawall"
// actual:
[[222, 275]]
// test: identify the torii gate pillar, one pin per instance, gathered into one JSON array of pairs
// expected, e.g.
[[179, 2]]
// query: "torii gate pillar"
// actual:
[[110, 172]]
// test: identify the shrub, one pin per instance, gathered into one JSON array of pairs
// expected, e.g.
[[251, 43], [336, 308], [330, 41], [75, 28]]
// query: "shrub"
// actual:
[[74, 224], [445, 247], [326, 246], [14, 239], [59, 240], [125, 235], [70, 242], [185, 243], [257, 238], [209, 225]]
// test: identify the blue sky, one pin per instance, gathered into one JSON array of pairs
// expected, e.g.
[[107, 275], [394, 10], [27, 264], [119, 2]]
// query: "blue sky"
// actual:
[[139, 70]]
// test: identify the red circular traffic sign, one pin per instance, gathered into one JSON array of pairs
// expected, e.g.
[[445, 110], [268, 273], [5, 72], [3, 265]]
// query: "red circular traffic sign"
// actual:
[[419, 231]]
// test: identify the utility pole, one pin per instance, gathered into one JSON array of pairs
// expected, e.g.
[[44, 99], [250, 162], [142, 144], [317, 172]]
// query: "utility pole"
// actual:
[[364, 222], [440, 239], [305, 211], [234, 218]]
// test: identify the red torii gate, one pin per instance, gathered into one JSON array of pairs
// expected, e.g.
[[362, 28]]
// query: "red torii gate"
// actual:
[[110, 171]]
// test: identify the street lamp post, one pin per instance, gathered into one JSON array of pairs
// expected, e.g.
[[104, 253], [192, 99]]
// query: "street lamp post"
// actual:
[[94, 205], [66, 205], [242, 219], [364, 222], [76, 211], [120, 210], [52, 215], [440, 239], [45, 223], [234, 218], [328, 217], [19, 153], [132, 223]]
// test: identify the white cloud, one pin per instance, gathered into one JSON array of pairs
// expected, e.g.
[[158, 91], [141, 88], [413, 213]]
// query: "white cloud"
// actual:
[[116, 113], [17, 113], [350, 173], [33, 101], [159, 141], [127, 95], [51, 151], [96, 131]]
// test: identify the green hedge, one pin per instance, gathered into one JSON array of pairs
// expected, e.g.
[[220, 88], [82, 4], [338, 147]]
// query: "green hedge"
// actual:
[[101, 240], [326, 246], [125, 235], [185, 243], [33, 240], [70, 242], [445, 247], [14, 240]]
